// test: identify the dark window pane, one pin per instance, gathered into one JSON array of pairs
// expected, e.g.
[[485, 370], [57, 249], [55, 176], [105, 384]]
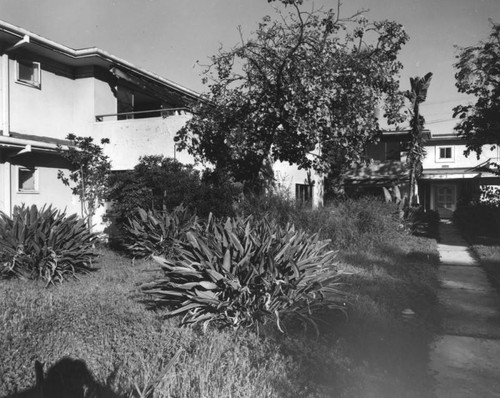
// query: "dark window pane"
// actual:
[[26, 180]]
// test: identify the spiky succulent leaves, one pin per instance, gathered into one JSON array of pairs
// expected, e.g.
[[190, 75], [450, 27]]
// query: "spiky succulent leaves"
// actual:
[[245, 272], [153, 232], [44, 244]]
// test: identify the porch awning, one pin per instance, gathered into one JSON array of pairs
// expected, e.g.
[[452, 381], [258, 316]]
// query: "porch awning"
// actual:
[[454, 174], [378, 173]]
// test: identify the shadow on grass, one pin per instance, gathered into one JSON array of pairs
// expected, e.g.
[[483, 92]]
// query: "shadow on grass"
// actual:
[[67, 378]]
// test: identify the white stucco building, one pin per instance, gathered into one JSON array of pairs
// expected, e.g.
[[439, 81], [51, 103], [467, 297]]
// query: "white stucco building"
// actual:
[[48, 90], [447, 179]]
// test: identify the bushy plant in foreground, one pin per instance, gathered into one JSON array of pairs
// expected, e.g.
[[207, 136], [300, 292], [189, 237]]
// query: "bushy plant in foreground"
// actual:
[[44, 244], [246, 272], [152, 232]]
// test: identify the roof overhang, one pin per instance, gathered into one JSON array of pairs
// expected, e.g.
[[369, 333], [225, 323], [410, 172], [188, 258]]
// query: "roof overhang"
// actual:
[[391, 170], [401, 135], [10, 35], [31, 143]]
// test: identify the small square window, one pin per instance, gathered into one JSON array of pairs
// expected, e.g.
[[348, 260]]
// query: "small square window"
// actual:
[[27, 180], [444, 154], [28, 73]]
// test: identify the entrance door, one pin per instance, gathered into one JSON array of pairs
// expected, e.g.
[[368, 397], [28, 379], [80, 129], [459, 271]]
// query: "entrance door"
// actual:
[[446, 200]]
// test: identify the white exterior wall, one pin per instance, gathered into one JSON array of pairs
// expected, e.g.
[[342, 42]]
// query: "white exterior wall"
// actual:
[[133, 138], [287, 176], [45, 111], [104, 100], [83, 107], [51, 191], [458, 160]]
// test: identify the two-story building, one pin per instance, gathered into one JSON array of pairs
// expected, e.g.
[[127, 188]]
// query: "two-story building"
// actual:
[[449, 178], [48, 90]]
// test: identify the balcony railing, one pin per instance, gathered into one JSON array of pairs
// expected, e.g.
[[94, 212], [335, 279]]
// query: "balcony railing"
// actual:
[[164, 112]]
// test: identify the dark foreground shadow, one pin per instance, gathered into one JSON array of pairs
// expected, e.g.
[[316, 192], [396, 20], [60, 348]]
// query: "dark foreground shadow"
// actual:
[[67, 378]]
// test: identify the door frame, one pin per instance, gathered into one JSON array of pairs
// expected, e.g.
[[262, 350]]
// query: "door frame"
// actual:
[[435, 194]]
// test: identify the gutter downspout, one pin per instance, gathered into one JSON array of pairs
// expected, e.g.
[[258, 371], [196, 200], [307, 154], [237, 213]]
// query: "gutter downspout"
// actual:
[[5, 121]]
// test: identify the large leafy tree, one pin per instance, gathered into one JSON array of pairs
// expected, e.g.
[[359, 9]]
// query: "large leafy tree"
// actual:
[[304, 88], [479, 75]]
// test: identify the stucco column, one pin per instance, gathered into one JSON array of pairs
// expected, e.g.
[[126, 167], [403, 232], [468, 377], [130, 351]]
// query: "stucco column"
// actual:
[[4, 98], [5, 168], [318, 191]]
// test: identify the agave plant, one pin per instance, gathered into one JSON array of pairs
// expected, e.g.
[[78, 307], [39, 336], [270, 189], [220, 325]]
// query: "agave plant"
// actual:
[[152, 232], [246, 272], [44, 244]]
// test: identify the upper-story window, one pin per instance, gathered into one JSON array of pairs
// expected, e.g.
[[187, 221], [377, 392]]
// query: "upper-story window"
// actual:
[[444, 153], [28, 72]]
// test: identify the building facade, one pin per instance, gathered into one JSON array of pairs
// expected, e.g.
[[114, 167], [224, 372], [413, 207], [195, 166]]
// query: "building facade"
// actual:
[[48, 90], [448, 178]]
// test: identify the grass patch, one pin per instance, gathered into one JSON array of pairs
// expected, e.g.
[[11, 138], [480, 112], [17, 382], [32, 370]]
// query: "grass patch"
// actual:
[[101, 320], [394, 351], [488, 252]]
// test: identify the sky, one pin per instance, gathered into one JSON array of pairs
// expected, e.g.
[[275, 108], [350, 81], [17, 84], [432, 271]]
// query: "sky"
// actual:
[[173, 37]]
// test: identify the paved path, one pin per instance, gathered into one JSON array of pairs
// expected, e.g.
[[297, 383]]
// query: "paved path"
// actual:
[[466, 357]]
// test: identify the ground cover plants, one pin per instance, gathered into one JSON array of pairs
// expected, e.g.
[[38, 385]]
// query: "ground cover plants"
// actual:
[[368, 351]]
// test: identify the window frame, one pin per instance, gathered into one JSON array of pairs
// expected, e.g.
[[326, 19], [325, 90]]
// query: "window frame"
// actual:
[[440, 159], [36, 189], [304, 193], [37, 82]]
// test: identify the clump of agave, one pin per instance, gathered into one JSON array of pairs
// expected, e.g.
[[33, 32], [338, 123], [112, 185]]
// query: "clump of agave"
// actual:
[[152, 232], [245, 272], [44, 244]]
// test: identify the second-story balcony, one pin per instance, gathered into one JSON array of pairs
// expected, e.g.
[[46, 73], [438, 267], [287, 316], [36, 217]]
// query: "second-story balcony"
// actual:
[[142, 133]]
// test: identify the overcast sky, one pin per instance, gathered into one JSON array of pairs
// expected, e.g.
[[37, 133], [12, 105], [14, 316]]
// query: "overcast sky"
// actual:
[[168, 37]]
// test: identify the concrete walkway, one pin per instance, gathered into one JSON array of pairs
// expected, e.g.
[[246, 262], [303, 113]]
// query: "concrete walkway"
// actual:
[[465, 358]]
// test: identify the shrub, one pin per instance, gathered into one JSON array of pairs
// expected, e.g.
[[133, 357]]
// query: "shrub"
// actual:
[[152, 232], [157, 182], [277, 205], [44, 244], [161, 184], [422, 223], [478, 220], [352, 223], [245, 272], [218, 194]]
